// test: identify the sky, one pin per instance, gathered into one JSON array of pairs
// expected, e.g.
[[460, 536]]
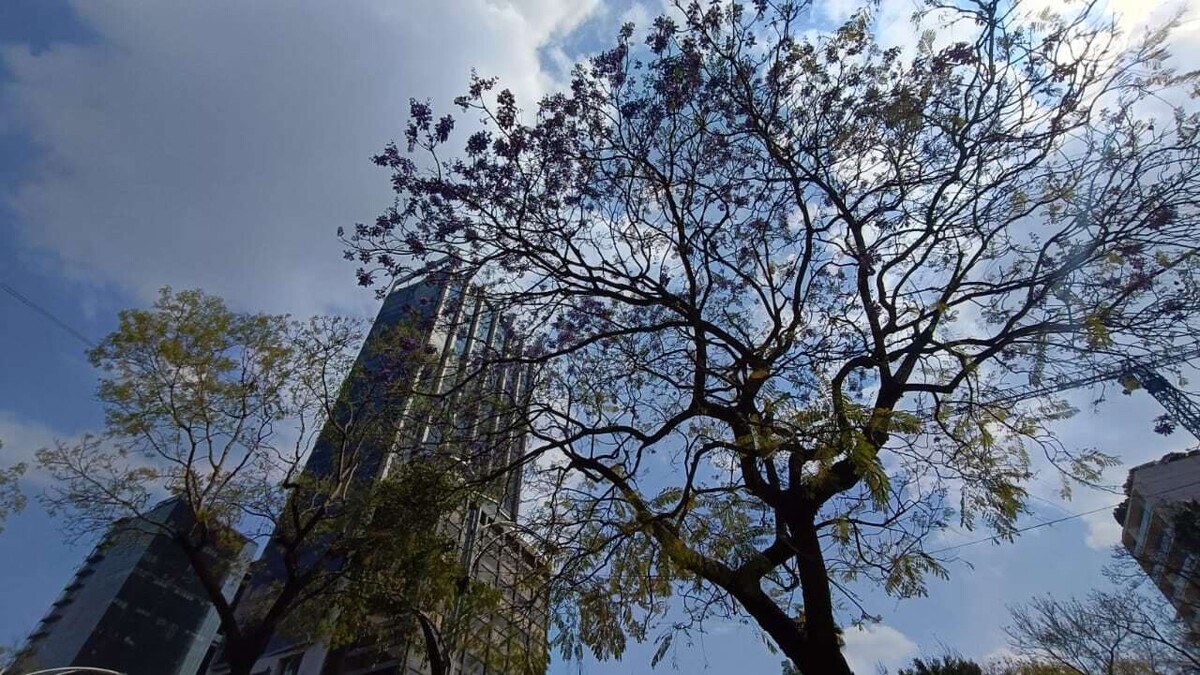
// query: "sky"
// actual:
[[220, 144]]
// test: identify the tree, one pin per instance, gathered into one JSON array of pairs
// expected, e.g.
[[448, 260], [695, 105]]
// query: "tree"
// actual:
[[220, 409], [945, 665], [1026, 666], [770, 282], [407, 569], [11, 500], [412, 582], [1110, 633]]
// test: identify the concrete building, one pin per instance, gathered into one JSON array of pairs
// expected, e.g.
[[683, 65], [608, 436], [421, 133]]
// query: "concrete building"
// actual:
[[481, 395], [1161, 500], [134, 606]]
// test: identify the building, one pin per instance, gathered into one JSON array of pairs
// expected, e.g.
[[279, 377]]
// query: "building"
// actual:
[[134, 605], [508, 641], [460, 348], [1160, 527]]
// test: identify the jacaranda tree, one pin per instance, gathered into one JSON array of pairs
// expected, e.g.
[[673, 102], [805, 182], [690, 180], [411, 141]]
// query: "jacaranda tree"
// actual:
[[772, 277]]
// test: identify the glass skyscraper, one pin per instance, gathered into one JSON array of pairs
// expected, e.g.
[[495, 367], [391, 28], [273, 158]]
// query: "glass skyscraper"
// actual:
[[442, 340], [135, 605]]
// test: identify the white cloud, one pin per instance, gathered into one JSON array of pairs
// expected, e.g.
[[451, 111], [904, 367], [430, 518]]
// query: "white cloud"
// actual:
[[21, 438], [220, 144], [999, 655], [873, 645], [1132, 16], [1103, 530]]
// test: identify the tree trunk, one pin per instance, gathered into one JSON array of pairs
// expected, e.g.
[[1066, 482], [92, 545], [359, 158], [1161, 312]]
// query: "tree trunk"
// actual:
[[790, 635], [812, 644], [242, 654], [820, 629], [433, 645]]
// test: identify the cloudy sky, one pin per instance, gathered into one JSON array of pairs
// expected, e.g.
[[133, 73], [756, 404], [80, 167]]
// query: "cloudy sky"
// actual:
[[220, 144]]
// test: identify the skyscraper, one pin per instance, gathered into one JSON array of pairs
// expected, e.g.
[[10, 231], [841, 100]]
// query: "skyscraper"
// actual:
[[135, 605], [472, 391], [470, 405]]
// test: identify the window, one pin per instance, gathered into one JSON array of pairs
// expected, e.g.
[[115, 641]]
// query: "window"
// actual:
[[460, 341], [484, 329]]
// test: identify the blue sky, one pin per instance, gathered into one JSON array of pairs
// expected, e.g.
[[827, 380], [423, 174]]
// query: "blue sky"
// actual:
[[219, 145]]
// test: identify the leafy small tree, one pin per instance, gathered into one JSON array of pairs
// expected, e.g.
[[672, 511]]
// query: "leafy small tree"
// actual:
[[411, 582], [772, 280], [220, 409], [1026, 666], [12, 501], [407, 566], [943, 665]]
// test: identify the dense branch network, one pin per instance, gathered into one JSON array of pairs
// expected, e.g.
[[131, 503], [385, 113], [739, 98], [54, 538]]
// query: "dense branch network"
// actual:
[[770, 282]]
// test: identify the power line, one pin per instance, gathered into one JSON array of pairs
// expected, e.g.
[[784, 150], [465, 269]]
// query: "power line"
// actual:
[[1056, 521], [47, 314], [1019, 530]]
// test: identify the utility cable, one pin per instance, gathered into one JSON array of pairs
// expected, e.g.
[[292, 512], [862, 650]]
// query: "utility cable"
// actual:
[[1056, 521], [46, 313]]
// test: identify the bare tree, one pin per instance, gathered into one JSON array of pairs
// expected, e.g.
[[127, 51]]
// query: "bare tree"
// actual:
[[772, 280], [1108, 633], [1026, 666]]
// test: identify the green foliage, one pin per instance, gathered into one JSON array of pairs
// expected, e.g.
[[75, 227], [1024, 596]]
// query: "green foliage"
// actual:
[[943, 665], [404, 560], [409, 581], [776, 280], [220, 409], [1186, 523], [192, 393], [11, 499]]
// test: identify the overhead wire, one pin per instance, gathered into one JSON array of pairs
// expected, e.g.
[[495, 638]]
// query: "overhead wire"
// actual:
[[1055, 521], [47, 314]]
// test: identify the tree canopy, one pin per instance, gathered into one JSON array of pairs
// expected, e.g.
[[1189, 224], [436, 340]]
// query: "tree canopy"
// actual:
[[12, 501], [414, 581], [771, 277], [221, 409], [944, 665]]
